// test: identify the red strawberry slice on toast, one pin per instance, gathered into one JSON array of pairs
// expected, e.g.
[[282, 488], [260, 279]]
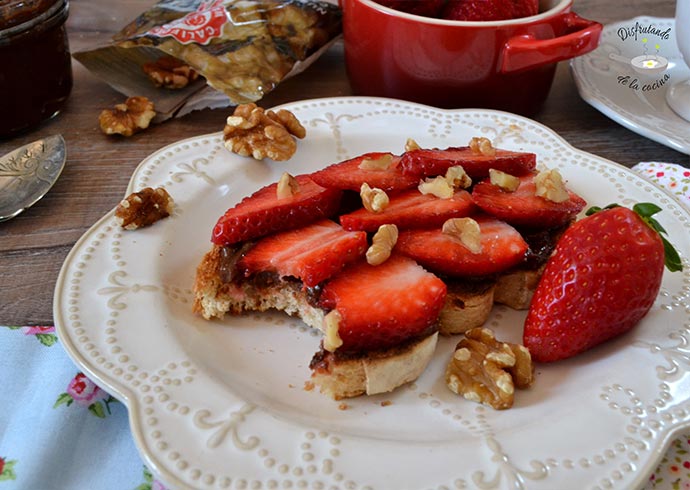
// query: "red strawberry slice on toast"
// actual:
[[432, 162], [385, 305], [411, 209], [348, 175], [523, 208], [484, 10], [263, 213], [502, 247], [602, 279], [312, 253]]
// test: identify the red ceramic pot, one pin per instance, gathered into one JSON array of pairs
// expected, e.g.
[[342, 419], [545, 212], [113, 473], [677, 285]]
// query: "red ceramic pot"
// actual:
[[506, 65]]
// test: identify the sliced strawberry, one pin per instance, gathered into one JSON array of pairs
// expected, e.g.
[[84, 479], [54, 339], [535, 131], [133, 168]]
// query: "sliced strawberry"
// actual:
[[411, 209], [348, 175], [385, 305], [312, 253], [429, 163], [523, 207], [263, 213], [501, 248]]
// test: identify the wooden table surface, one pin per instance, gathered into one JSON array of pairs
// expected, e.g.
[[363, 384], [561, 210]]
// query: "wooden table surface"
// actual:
[[34, 244]]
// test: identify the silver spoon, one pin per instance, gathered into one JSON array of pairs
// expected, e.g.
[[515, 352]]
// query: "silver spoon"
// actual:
[[28, 173]]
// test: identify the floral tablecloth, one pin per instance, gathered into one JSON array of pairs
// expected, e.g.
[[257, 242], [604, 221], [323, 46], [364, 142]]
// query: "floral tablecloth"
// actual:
[[60, 431]]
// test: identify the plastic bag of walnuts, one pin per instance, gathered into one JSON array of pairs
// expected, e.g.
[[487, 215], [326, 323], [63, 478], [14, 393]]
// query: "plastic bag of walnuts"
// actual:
[[224, 52]]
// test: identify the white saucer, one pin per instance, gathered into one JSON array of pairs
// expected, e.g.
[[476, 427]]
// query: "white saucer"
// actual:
[[600, 79], [678, 98]]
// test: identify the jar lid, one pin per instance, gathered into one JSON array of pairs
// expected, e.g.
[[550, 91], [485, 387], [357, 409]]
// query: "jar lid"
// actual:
[[18, 15]]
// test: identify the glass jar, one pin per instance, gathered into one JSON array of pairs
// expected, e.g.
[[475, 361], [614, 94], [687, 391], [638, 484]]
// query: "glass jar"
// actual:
[[36, 73]]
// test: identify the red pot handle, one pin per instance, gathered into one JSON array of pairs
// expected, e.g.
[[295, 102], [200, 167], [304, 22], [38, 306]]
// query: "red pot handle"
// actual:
[[525, 51]]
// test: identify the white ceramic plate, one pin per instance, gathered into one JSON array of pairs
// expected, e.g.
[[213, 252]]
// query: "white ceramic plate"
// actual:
[[222, 405], [638, 102]]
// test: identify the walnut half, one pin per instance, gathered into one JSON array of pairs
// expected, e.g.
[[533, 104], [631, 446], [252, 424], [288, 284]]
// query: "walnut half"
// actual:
[[382, 244], [251, 131], [482, 146], [126, 119], [143, 208], [484, 370]]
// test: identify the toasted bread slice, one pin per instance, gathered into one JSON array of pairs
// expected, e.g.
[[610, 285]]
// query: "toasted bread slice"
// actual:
[[371, 373], [337, 375], [468, 305], [516, 288]]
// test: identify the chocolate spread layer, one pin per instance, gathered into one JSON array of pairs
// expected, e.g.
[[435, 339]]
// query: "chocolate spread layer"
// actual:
[[541, 246], [228, 272]]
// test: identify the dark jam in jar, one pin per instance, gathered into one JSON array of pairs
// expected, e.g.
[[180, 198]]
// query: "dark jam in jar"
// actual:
[[36, 73]]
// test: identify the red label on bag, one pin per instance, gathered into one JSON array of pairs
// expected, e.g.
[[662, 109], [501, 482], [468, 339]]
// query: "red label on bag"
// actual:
[[199, 27]]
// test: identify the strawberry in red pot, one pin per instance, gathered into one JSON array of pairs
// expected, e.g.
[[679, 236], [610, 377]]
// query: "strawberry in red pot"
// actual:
[[425, 8], [486, 10], [600, 282]]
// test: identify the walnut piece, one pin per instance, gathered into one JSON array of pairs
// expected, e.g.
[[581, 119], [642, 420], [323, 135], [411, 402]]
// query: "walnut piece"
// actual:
[[331, 339], [126, 119], [482, 146], [381, 163], [374, 200], [438, 186], [550, 186], [251, 131], [382, 244], [457, 177], [287, 186], [466, 230], [507, 182], [487, 371], [170, 72], [411, 144], [143, 208]]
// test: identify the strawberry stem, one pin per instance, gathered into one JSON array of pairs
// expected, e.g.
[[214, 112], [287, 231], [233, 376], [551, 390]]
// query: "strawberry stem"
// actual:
[[646, 210]]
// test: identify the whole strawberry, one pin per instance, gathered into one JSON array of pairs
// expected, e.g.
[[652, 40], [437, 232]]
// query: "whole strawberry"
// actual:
[[601, 280], [489, 10], [425, 8]]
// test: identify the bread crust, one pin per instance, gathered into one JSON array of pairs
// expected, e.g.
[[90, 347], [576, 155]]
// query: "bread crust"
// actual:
[[516, 288]]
